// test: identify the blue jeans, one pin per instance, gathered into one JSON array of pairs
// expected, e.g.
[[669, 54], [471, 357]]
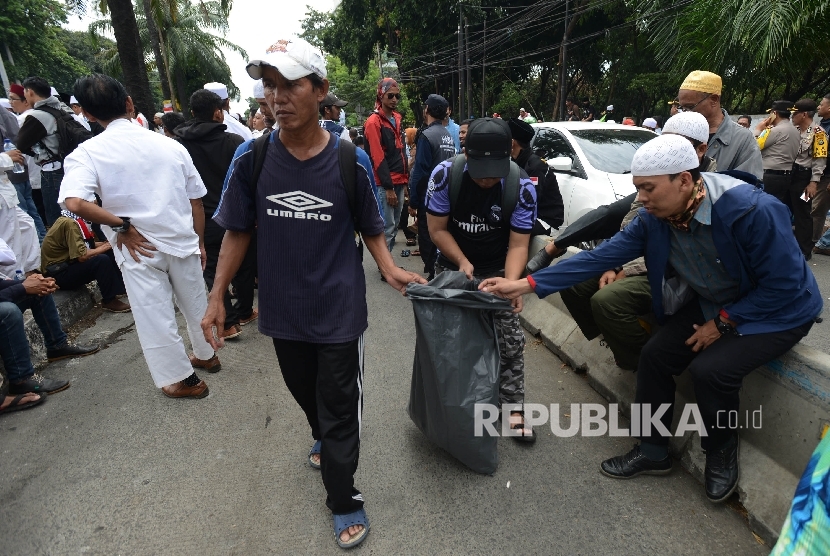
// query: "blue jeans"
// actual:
[[27, 204], [50, 186], [47, 319], [14, 347], [391, 215], [824, 241]]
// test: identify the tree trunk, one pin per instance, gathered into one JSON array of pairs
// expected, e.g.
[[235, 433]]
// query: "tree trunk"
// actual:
[[161, 67], [131, 53], [180, 86]]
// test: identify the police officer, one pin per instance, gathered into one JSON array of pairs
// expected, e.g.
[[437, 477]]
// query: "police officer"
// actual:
[[435, 145], [807, 170], [549, 206]]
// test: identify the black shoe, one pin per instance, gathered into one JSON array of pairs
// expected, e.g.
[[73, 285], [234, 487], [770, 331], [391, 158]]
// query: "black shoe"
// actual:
[[635, 463], [539, 261], [70, 350], [38, 384], [722, 471]]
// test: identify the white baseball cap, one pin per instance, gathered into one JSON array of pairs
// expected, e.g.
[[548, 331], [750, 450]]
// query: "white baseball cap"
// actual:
[[664, 155], [650, 123], [218, 88], [73, 100], [293, 58]]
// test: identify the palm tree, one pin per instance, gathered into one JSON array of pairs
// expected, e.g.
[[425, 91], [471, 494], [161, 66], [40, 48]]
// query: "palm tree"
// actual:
[[130, 50]]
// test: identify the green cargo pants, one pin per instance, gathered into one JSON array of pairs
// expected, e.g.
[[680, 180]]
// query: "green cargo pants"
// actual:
[[613, 311]]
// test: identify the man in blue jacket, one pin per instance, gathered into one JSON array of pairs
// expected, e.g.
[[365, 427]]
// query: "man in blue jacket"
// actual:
[[731, 291]]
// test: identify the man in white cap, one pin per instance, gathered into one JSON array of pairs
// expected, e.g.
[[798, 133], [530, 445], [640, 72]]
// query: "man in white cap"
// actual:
[[264, 109], [731, 291], [79, 113], [305, 211], [650, 124], [233, 125]]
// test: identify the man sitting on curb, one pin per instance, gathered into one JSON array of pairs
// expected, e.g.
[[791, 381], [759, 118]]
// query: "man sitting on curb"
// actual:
[[730, 289], [611, 304], [15, 297], [72, 257]]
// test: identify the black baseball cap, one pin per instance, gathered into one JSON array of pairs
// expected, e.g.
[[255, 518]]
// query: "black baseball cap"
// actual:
[[781, 106], [332, 100], [805, 105], [521, 130], [437, 102], [488, 146]]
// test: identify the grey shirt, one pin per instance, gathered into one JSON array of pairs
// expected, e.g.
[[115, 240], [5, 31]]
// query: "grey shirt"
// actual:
[[781, 146], [735, 148]]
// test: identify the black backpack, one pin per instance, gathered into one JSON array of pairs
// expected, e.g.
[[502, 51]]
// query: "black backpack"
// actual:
[[511, 186], [347, 157], [70, 132]]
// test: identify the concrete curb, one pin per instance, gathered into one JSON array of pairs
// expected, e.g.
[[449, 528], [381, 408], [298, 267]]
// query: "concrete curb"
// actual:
[[72, 306], [793, 392]]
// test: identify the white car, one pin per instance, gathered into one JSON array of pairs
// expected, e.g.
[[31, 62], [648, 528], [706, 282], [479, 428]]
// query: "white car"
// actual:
[[592, 161]]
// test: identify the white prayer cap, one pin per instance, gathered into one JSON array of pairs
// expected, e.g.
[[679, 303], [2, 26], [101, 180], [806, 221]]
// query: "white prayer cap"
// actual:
[[664, 155], [54, 92], [73, 100], [650, 123], [217, 88], [609, 108], [4, 102], [691, 125], [259, 90]]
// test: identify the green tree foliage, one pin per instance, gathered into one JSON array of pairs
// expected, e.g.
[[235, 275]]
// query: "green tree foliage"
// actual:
[[31, 43]]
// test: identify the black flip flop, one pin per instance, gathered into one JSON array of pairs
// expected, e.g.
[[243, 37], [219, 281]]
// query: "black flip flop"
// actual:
[[17, 406], [405, 253]]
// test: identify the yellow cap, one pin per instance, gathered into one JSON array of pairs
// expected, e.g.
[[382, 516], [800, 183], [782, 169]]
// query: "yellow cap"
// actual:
[[704, 82]]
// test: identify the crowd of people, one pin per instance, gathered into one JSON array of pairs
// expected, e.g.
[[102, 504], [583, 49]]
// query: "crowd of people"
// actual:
[[187, 217]]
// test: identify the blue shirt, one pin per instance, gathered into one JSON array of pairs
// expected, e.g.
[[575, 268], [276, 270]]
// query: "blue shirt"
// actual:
[[482, 240], [311, 282], [454, 128]]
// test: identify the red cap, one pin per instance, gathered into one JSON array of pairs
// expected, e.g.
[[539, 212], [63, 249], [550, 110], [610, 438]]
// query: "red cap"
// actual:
[[16, 89]]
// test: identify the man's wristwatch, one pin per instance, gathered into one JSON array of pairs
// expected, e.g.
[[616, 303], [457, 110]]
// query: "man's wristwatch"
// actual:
[[123, 227], [724, 327]]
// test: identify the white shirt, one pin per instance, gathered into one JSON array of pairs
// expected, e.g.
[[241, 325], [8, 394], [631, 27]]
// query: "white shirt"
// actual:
[[141, 175], [233, 126], [8, 194]]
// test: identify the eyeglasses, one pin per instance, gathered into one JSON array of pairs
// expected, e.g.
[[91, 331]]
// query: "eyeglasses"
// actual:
[[390, 96], [12, 99], [681, 108]]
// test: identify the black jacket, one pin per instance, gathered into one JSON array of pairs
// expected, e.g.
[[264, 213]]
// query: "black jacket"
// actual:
[[549, 206], [211, 149]]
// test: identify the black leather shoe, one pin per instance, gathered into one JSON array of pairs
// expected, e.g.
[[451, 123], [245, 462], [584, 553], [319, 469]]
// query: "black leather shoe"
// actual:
[[722, 471], [70, 350], [635, 463], [38, 384], [539, 261]]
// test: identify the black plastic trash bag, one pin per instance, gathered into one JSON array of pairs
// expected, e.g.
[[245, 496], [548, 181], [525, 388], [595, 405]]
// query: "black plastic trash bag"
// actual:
[[456, 365]]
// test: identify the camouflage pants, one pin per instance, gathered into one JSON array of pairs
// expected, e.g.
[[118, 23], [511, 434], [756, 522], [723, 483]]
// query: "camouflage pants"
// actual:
[[511, 341]]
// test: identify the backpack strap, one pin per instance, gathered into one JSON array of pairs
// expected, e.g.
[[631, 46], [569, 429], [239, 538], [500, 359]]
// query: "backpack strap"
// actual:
[[347, 158], [456, 177], [259, 151], [510, 195]]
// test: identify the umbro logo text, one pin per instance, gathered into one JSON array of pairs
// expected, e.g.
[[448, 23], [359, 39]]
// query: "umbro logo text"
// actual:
[[300, 203]]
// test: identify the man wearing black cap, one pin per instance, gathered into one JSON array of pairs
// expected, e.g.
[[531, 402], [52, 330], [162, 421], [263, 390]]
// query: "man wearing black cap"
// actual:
[[550, 209], [330, 114], [807, 170], [435, 144], [482, 227]]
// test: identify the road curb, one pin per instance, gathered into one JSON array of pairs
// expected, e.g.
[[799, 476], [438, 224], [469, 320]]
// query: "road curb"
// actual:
[[793, 392]]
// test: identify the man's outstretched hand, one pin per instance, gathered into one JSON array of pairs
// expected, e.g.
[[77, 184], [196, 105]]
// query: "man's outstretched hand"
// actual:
[[398, 278], [508, 289]]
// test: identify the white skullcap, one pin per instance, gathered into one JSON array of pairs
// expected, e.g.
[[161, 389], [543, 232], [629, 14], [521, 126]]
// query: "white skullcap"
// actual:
[[664, 155], [53, 92], [217, 88], [688, 124], [609, 108], [259, 90], [4, 102], [73, 100], [650, 123]]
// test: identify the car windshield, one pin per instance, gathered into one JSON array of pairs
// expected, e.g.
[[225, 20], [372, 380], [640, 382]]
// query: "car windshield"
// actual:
[[611, 150]]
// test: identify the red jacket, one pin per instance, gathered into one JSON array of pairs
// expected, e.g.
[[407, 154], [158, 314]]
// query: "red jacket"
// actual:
[[386, 150]]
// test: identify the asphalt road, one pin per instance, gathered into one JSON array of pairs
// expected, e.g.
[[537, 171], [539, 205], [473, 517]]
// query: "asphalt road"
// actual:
[[111, 466]]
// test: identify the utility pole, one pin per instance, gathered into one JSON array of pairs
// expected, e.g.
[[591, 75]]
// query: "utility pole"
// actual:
[[563, 85], [434, 72], [483, 64], [380, 62], [469, 72], [460, 66]]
